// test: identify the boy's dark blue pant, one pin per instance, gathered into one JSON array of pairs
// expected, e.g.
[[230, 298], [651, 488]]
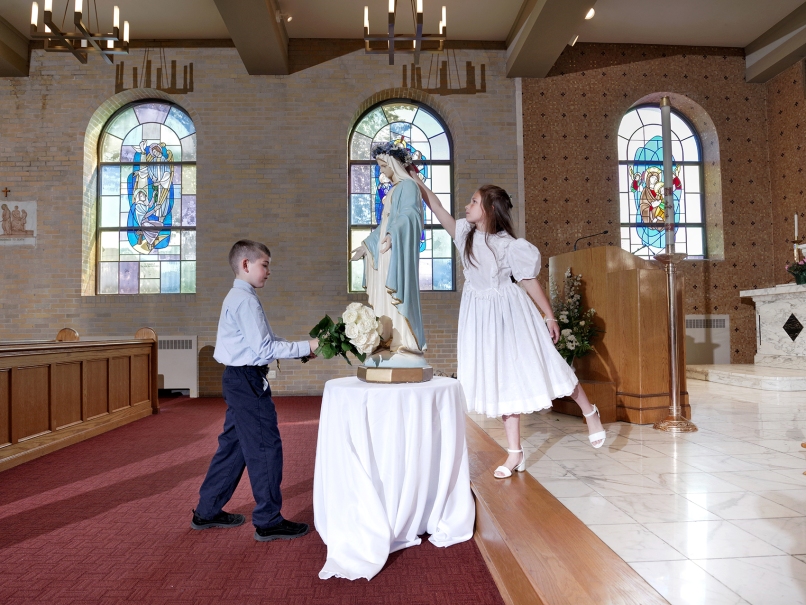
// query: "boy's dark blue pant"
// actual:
[[250, 439]]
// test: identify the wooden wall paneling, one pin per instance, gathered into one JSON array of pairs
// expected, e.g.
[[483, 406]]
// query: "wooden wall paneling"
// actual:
[[119, 380], [29, 402], [97, 388], [5, 407], [65, 399], [140, 373]]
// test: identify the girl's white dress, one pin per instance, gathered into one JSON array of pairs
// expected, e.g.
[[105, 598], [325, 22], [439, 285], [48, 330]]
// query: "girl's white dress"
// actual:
[[507, 363]]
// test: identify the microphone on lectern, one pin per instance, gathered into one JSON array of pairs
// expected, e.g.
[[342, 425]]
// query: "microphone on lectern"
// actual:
[[587, 236]]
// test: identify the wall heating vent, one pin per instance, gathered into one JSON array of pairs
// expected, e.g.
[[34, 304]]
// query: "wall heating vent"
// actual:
[[175, 344], [178, 363], [708, 323], [707, 339]]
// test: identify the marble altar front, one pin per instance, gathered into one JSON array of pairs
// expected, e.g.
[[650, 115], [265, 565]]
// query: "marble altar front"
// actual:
[[780, 326]]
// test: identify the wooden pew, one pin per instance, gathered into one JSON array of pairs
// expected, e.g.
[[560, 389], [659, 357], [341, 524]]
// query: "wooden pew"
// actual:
[[56, 393]]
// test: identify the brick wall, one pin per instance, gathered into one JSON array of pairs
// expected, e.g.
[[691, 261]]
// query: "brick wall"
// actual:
[[571, 121], [272, 166]]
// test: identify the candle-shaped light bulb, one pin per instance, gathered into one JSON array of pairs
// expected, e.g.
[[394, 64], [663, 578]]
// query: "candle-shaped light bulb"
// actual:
[[49, 5], [444, 17], [116, 18], [366, 17], [419, 6], [34, 13], [391, 6], [796, 225], [126, 32], [78, 6]]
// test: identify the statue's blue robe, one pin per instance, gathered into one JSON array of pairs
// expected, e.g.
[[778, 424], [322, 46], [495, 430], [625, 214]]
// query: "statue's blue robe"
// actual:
[[405, 225]]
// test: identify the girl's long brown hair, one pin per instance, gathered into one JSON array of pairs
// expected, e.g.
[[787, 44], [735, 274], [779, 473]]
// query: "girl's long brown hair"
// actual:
[[497, 206]]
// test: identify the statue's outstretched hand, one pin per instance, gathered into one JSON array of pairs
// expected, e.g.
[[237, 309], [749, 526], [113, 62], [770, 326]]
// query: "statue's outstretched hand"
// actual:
[[386, 244], [359, 252]]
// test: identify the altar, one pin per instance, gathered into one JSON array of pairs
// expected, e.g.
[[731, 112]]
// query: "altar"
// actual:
[[391, 465], [780, 323]]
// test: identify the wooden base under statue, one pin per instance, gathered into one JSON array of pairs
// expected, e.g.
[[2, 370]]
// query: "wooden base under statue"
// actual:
[[395, 375]]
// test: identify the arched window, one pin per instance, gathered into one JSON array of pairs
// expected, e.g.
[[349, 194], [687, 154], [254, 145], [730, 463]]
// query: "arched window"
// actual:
[[429, 141], [147, 201], [640, 154]]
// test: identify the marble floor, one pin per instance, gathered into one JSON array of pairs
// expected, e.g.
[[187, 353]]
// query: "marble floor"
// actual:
[[716, 517]]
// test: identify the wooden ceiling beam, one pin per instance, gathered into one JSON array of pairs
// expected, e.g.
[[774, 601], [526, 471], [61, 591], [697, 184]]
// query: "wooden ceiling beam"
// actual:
[[13, 51], [776, 49], [541, 32], [261, 41]]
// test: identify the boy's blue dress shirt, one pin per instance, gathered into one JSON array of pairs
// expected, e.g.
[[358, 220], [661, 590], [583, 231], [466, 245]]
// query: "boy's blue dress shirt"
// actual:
[[245, 337]]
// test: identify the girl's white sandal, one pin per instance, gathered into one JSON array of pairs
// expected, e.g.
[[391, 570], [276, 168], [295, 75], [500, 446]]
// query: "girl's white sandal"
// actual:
[[505, 472], [601, 435]]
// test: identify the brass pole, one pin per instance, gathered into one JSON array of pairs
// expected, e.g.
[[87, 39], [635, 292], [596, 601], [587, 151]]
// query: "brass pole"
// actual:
[[674, 422]]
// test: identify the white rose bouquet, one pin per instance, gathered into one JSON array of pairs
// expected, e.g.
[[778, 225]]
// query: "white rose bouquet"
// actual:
[[577, 330], [357, 331]]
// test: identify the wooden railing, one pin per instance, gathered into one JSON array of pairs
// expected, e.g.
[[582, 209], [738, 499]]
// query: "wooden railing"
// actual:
[[56, 393]]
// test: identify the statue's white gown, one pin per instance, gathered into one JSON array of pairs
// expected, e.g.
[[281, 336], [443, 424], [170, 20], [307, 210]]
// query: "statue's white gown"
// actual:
[[507, 363], [380, 299]]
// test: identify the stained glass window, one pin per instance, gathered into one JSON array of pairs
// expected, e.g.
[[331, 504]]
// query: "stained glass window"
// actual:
[[147, 201], [425, 135], [642, 208]]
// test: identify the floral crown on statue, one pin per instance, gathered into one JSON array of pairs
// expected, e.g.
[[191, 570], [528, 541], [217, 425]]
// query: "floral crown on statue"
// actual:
[[396, 149]]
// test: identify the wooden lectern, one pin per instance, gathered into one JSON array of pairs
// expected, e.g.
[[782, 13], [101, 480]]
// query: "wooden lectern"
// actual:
[[627, 373]]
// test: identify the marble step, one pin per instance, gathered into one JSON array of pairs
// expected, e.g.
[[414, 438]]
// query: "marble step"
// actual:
[[751, 376]]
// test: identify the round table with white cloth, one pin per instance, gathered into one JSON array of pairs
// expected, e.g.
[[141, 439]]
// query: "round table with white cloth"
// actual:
[[391, 465]]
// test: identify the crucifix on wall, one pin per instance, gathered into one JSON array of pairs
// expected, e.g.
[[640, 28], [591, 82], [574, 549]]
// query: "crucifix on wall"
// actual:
[[6, 191]]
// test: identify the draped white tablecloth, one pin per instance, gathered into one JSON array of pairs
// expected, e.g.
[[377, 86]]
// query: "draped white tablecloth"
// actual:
[[391, 464]]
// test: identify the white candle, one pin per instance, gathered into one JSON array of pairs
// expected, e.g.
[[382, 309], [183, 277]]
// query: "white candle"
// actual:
[[419, 6], [116, 18], [34, 13], [444, 17], [796, 225], [391, 6], [49, 5], [78, 6], [126, 31], [366, 17]]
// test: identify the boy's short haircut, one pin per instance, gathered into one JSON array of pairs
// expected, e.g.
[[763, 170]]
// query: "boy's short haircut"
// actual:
[[246, 248]]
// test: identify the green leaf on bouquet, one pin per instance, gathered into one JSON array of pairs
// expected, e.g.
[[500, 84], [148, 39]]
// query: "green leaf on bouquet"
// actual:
[[360, 356], [328, 351], [324, 325], [345, 346]]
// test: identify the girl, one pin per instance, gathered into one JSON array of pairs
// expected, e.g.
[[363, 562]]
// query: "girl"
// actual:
[[507, 363]]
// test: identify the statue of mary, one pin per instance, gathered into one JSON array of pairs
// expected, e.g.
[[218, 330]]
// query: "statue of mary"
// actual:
[[391, 263]]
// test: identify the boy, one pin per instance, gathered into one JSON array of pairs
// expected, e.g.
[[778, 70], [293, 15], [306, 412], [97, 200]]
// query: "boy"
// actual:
[[246, 345]]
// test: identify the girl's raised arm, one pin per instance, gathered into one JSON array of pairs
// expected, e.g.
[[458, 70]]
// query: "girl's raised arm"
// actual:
[[432, 201]]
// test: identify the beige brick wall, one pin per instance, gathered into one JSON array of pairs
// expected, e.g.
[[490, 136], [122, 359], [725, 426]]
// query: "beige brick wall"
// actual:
[[571, 121], [272, 166]]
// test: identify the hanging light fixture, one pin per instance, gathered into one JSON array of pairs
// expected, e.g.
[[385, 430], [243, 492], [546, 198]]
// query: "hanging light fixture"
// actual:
[[82, 40], [420, 42]]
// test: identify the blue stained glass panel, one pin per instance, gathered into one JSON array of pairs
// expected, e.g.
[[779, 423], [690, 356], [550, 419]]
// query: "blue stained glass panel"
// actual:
[[170, 277], [123, 123], [180, 122], [442, 277], [427, 123], [440, 149], [152, 112], [361, 209]]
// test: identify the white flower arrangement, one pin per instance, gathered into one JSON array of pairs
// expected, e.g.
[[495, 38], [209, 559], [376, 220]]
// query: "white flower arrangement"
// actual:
[[576, 327], [357, 331]]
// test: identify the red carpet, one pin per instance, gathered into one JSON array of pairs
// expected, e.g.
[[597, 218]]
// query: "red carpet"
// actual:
[[106, 521]]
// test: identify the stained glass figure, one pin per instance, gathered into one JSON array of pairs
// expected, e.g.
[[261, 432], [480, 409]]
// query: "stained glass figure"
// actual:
[[423, 133], [147, 201], [641, 188]]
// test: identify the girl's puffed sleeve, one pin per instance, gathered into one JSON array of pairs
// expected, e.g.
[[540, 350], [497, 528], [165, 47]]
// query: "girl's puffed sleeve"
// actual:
[[524, 260], [462, 229]]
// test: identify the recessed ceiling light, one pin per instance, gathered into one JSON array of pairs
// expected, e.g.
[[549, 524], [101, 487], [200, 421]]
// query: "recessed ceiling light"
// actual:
[[590, 14]]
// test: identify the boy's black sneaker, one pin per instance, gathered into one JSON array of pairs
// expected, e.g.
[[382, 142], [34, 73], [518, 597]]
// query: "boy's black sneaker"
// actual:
[[284, 530], [222, 519]]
